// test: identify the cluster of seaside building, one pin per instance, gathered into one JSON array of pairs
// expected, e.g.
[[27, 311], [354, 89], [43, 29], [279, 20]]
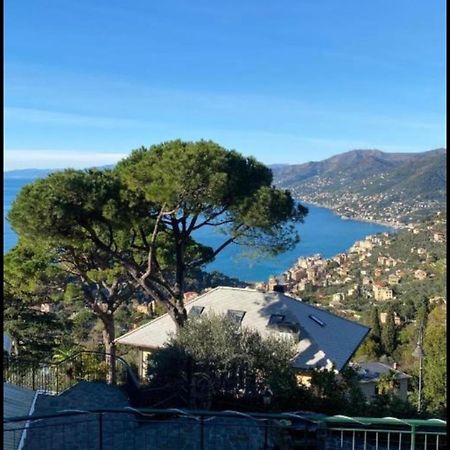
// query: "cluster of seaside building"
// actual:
[[353, 274], [384, 208]]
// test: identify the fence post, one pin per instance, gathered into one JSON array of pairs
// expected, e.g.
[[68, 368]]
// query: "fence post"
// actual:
[[202, 433], [266, 435], [100, 431], [33, 375], [413, 437]]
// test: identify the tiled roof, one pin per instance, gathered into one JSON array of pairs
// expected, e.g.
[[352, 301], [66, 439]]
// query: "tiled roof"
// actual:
[[324, 338]]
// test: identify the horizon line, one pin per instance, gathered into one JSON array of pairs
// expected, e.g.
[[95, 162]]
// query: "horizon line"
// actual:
[[122, 155]]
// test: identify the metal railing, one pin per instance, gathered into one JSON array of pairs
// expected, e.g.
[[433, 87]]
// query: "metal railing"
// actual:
[[387, 433], [176, 429], [55, 377]]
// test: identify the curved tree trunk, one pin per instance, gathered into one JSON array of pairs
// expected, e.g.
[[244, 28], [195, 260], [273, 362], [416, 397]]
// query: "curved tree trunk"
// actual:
[[175, 308], [110, 349], [179, 316]]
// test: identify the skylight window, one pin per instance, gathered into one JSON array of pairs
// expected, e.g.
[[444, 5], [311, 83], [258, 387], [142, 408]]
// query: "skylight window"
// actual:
[[235, 315], [275, 319], [196, 310], [317, 320]]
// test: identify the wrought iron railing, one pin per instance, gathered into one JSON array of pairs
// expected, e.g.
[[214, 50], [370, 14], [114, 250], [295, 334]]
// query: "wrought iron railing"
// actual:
[[177, 429], [56, 377]]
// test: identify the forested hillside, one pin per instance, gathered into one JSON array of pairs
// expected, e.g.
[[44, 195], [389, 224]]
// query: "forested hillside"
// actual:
[[391, 187]]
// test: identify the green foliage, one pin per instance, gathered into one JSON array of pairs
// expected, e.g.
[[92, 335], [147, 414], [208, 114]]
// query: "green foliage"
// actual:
[[389, 333], [198, 280], [82, 324], [369, 350], [389, 405], [206, 183], [30, 280], [435, 361], [386, 382], [341, 394], [62, 207], [202, 175], [35, 334], [79, 220], [373, 345], [130, 229], [65, 352], [375, 324], [29, 271], [337, 393], [406, 343], [422, 314], [94, 368], [232, 358]]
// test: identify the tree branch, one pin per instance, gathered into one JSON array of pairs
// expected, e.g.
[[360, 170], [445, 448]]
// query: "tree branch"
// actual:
[[152, 242], [229, 241], [210, 217]]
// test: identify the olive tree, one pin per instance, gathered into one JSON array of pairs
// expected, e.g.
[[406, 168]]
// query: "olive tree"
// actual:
[[236, 361]]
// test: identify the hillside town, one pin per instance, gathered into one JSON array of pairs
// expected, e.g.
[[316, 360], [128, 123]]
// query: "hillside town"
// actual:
[[376, 270], [376, 208], [394, 208]]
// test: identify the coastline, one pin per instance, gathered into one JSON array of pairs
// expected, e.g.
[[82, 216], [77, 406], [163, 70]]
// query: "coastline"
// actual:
[[245, 273], [356, 218], [395, 227]]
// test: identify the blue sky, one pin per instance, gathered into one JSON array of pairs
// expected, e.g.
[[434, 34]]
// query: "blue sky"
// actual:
[[288, 82]]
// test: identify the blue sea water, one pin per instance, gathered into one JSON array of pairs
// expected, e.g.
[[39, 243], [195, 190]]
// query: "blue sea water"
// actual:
[[322, 232], [11, 188]]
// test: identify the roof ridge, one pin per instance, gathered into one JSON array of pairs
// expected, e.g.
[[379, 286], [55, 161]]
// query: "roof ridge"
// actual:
[[236, 288]]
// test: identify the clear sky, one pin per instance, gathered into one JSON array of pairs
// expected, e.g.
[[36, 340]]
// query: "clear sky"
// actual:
[[87, 81]]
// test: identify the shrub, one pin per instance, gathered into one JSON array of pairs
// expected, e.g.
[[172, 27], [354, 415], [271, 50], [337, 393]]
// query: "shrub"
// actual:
[[237, 362]]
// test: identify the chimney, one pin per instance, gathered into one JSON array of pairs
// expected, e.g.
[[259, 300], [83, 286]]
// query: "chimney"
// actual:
[[394, 366], [278, 288]]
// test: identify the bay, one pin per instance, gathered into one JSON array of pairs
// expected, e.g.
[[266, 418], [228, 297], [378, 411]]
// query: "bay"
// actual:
[[322, 232]]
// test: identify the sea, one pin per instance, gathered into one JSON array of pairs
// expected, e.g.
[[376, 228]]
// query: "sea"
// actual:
[[323, 232]]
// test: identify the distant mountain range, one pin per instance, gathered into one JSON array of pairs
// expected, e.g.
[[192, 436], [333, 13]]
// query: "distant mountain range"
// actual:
[[390, 185], [357, 164], [419, 173], [370, 179], [37, 173], [27, 173]]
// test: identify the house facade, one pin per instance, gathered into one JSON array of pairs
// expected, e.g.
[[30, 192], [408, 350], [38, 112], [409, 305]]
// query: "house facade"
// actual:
[[370, 374], [382, 292]]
